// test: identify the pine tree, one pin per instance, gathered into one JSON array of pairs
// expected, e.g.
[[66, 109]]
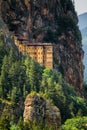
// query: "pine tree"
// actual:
[[32, 75], [4, 81], [3, 52]]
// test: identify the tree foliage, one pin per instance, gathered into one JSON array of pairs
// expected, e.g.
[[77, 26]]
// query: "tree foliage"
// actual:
[[77, 123]]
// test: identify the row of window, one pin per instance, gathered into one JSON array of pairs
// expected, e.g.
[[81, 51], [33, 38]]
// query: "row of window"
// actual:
[[38, 51], [37, 48]]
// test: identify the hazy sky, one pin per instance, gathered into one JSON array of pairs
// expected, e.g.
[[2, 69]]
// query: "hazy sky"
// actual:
[[81, 6]]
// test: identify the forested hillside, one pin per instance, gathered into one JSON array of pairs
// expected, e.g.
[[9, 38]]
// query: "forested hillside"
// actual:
[[20, 75]]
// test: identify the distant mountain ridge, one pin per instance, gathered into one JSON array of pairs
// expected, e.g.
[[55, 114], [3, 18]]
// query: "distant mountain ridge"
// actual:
[[84, 32], [83, 27], [82, 21]]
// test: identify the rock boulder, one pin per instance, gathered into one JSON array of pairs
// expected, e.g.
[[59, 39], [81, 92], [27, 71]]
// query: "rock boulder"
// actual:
[[39, 109]]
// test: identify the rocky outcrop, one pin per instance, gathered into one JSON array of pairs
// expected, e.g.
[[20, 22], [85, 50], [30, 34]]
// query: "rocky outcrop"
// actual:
[[38, 109], [52, 21]]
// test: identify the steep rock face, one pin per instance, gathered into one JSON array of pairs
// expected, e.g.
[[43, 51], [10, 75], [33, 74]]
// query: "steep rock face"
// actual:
[[50, 21], [70, 58], [37, 108]]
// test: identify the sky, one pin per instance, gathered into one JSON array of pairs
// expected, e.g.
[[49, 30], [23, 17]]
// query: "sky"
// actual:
[[80, 6]]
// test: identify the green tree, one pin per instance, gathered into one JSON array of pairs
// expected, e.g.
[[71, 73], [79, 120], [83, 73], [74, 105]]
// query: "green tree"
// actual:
[[33, 73], [45, 76], [27, 65], [77, 123], [5, 121], [17, 76], [3, 52], [32, 76], [4, 81]]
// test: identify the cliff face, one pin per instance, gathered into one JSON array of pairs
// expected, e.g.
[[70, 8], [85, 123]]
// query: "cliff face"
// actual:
[[69, 54], [38, 109], [49, 21]]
